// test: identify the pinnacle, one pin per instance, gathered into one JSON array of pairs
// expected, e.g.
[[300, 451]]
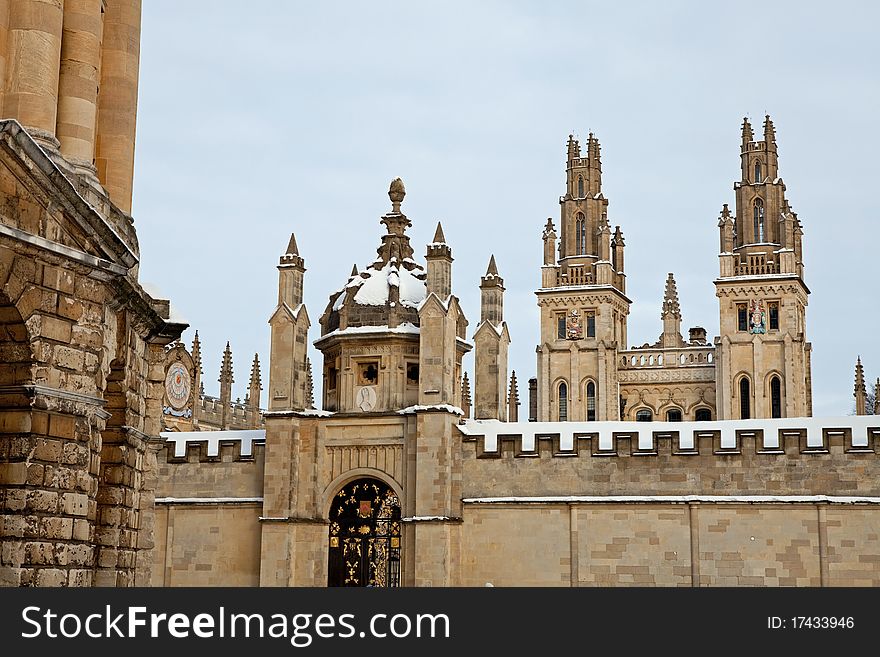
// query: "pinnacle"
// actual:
[[292, 248], [493, 268], [439, 238], [354, 270]]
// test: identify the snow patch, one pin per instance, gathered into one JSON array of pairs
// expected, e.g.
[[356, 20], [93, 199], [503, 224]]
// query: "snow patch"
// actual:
[[455, 410]]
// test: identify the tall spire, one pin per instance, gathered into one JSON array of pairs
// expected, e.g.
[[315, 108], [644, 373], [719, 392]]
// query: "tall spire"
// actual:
[[860, 393], [226, 382], [513, 400], [198, 384], [255, 386], [466, 395], [310, 385], [439, 237], [877, 397]]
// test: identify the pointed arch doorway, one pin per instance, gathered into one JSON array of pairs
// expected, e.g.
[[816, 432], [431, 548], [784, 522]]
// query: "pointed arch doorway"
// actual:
[[364, 541]]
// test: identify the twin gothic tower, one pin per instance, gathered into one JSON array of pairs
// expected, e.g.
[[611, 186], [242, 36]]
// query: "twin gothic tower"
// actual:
[[759, 366], [394, 336]]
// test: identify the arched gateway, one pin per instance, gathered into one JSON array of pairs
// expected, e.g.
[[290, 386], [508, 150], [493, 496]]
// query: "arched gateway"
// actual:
[[364, 546]]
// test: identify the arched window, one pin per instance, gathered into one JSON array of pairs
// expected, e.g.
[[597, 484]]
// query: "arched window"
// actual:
[[745, 398], [758, 177], [563, 402], [580, 187], [775, 397], [644, 415], [673, 415], [580, 232], [703, 415], [591, 401], [758, 217]]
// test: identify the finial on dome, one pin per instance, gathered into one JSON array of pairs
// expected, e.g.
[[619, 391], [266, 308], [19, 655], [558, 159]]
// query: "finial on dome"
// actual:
[[396, 193]]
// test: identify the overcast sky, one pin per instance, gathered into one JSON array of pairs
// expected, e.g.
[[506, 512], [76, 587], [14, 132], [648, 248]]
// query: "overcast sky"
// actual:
[[261, 118]]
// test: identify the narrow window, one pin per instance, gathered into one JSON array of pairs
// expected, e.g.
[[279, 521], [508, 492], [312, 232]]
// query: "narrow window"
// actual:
[[560, 326], [583, 234], [580, 187], [775, 397], [758, 172], [774, 316], [644, 415], [703, 415], [745, 399], [591, 401], [331, 378], [742, 317], [563, 402], [673, 415], [591, 325], [758, 217], [412, 374]]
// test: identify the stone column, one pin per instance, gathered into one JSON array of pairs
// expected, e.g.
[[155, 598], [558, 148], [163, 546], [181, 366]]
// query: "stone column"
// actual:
[[4, 51], [117, 100], [78, 83], [34, 54]]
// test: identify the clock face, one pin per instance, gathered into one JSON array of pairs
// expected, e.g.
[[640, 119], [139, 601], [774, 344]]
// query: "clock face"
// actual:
[[177, 385]]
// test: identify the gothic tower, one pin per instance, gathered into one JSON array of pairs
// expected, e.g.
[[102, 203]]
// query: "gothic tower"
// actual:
[[491, 342], [763, 357], [582, 299], [290, 327]]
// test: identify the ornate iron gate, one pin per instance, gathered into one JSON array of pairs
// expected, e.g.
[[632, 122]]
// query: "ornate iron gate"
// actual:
[[365, 536]]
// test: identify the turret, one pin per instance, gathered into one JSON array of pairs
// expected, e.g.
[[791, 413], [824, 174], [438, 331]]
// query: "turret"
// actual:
[[492, 295], [491, 342], [439, 259], [290, 325], [291, 268]]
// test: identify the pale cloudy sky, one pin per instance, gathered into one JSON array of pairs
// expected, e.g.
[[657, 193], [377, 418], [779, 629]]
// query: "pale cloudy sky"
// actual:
[[261, 118]]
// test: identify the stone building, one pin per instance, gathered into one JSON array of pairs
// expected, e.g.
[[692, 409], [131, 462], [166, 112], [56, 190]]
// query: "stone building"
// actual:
[[679, 463], [82, 345]]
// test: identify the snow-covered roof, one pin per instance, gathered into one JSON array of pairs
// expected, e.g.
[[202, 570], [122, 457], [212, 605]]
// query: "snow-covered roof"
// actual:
[[375, 283]]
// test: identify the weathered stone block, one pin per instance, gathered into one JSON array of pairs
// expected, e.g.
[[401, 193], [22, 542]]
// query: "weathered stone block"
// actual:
[[57, 528], [74, 504], [54, 328], [62, 426], [69, 358], [50, 577], [13, 473], [41, 501], [39, 553], [49, 450]]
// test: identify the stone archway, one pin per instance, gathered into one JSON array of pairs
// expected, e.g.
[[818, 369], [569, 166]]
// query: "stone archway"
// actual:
[[364, 535]]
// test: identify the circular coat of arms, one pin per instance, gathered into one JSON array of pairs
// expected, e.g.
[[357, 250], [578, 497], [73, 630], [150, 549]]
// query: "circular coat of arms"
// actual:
[[177, 385]]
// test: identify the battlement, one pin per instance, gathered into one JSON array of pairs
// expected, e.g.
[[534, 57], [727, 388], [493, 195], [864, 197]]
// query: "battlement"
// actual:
[[211, 413], [789, 436], [213, 446]]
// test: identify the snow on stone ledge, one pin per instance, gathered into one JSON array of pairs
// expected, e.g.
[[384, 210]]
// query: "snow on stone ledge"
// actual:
[[674, 499], [214, 438], [644, 432], [406, 327], [455, 410]]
